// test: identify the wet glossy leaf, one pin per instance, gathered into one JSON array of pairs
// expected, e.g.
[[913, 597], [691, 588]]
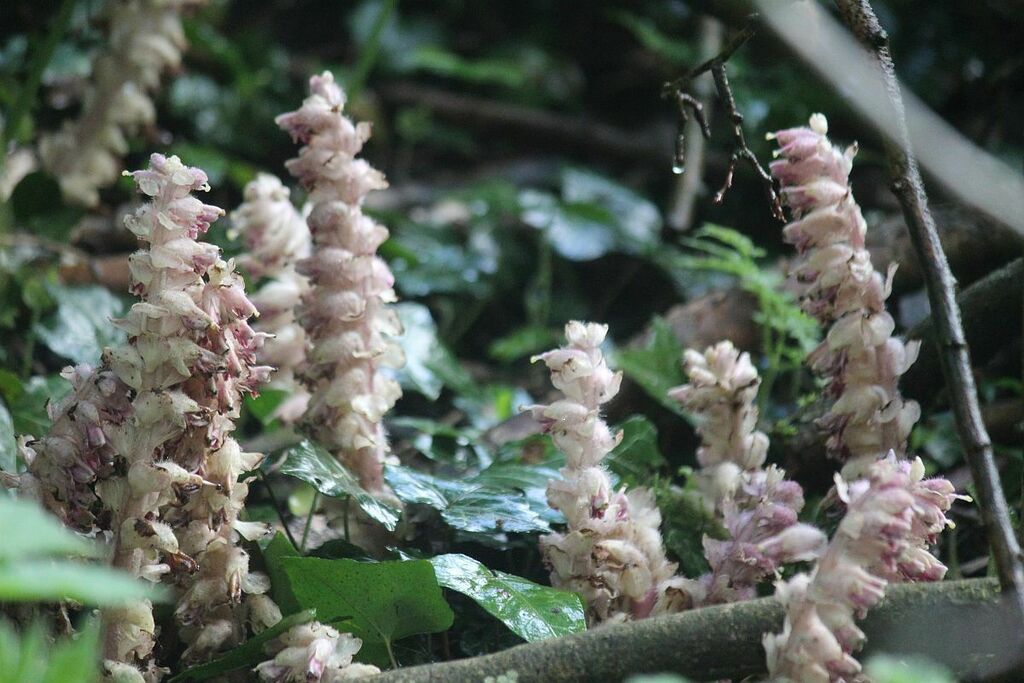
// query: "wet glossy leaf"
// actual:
[[244, 656], [81, 326], [467, 505], [532, 611], [314, 465]]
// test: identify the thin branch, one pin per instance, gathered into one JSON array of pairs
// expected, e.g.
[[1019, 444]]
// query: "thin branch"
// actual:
[[955, 358], [957, 623], [741, 151], [691, 141]]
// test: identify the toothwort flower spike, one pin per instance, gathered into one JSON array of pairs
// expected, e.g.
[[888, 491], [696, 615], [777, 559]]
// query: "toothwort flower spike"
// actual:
[[145, 39], [890, 515], [345, 315], [860, 358], [276, 237], [611, 551], [758, 507]]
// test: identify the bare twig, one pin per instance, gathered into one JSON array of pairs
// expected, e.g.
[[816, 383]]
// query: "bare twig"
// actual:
[[693, 135], [741, 151], [955, 359]]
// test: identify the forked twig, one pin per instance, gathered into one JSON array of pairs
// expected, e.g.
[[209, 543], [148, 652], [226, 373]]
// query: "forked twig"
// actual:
[[687, 103]]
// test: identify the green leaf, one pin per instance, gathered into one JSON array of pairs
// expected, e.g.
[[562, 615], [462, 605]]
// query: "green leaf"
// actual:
[[382, 601], [314, 465], [276, 550], [657, 365], [8, 444], [523, 342], [81, 326], [685, 521], [468, 505], [531, 611], [263, 406], [28, 410], [29, 655], [637, 456], [36, 207], [530, 479], [439, 61], [427, 362], [246, 655], [29, 531], [52, 580]]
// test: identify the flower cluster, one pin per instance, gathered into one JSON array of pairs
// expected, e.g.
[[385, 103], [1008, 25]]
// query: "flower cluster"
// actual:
[[758, 507], [891, 515], [859, 356], [276, 236], [145, 39], [611, 552], [721, 393], [345, 315], [313, 652]]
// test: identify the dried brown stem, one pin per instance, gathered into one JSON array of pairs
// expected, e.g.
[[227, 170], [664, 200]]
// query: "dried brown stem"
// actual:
[[859, 16]]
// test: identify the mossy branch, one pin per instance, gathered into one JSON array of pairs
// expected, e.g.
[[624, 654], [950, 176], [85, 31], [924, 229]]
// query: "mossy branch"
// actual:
[[959, 623]]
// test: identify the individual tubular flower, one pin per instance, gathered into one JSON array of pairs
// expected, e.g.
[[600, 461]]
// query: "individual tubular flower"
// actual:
[[891, 515], [345, 314], [312, 653], [758, 507], [859, 356], [276, 236], [611, 552], [145, 39]]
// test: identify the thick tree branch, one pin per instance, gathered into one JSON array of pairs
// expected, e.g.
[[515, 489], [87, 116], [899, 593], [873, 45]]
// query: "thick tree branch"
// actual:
[[722, 642], [956, 363]]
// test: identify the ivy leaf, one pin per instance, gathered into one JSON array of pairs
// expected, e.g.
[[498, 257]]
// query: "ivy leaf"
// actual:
[[263, 406], [466, 505], [529, 479], [275, 551], [81, 326], [531, 611], [246, 655], [657, 365], [637, 456], [8, 444], [381, 601], [314, 465]]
